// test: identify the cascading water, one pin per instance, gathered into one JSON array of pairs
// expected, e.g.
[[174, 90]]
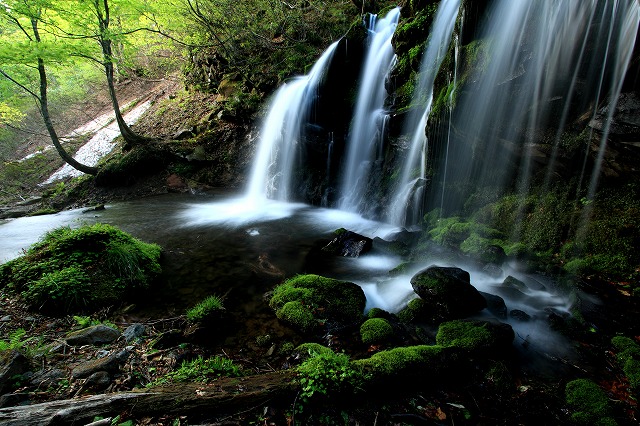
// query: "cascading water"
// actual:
[[281, 132], [367, 127], [542, 62], [409, 186]]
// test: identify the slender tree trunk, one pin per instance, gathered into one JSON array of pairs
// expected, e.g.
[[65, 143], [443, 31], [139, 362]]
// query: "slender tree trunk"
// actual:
[[44, 109], [105, 43]]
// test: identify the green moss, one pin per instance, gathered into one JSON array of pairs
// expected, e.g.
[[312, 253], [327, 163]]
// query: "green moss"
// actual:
[[317, 300], [400, 362], [588, 402], [414, 311], [475, 336], [207, 309], [628, 357], [89, 267], [375, 330], [309, 349], [378, 313], [298, 315]]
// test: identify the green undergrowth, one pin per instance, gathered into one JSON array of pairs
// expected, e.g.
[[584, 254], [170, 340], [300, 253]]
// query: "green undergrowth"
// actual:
[[71, 270], [201, 370], [589, 404], [628, 358], [207, 309]]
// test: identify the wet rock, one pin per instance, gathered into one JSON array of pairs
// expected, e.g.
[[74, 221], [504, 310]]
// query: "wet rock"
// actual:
[[512, 282], [476, 336], [448, 292], [184, 133], [95, 335], [14, 399], [110, 363], [534, 284], [133, 332], [12, 363], [348, 244], [519, 315], [407, 237], [495, 305], [391, 247]]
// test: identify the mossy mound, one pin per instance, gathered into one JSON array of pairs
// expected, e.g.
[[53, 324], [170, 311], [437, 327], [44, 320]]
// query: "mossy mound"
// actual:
[[71, 270], [477, 337], [375, 330], [309, 302], [589, 403]]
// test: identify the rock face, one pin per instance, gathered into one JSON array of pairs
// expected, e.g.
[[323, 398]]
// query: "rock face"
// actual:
[[348, 244], [447, 292]]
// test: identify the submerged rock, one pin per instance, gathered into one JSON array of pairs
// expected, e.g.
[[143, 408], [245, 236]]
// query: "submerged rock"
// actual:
[[348, 244]]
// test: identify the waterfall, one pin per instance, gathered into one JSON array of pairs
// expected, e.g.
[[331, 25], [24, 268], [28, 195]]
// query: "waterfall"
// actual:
[[535, 74], [367, 127], [281, 132], [410, 186]]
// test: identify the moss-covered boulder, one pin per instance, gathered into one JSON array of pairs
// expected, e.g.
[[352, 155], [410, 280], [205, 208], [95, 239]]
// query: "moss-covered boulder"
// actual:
[[417, 310], [477, 337], [376, 330], [312, 302], [71, 270], [588, 403], [447, 292]]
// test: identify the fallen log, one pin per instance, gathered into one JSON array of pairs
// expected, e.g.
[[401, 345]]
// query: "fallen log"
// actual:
[[222, 397]]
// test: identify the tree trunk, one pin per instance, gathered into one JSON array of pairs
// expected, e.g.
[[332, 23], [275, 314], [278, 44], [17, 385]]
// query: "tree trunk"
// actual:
[[44, 109], [205, 401]]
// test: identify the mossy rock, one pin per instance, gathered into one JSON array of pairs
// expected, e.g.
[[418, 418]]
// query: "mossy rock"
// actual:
[[417, 310], [72, 270], [628, 356], [309, 302], [589, 403], [477, 337], [448, 292], [376, 330], [419, 365], [309, 349]]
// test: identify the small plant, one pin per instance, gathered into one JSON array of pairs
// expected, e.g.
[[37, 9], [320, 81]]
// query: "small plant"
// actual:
[[328, 373], [206, 309], [200, 370], [15, 341]]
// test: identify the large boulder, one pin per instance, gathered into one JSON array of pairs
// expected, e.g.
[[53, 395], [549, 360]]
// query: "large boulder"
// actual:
[[493, 339], [310, 303], [447, 292]]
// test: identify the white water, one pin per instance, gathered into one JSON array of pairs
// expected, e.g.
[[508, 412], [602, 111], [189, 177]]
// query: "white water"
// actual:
[[99, 145], [280, 133], [367, 127], [409, 188]]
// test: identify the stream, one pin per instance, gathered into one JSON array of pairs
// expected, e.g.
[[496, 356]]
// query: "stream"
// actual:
[[240, 249]]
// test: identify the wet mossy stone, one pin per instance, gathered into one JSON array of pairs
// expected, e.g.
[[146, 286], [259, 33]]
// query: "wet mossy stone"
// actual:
[[448, 292], [376, 330], [416, 310], [348, 244], [309, 302], [417, 365], [309, 349], [589, 404], [74, 270], [495, 305], [484, 338], [628, 356]]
